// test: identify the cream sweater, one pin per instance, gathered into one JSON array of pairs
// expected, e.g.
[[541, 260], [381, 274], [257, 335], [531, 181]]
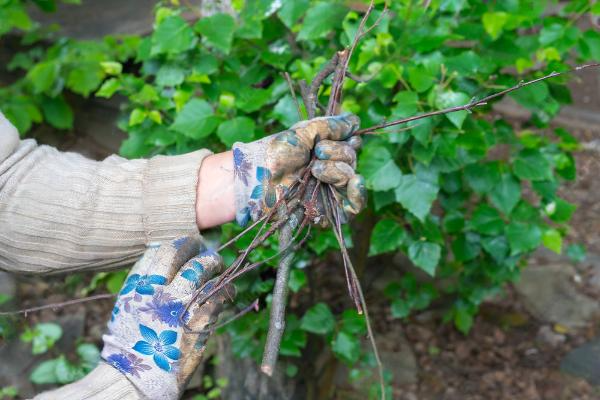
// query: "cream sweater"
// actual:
[[61, 212]]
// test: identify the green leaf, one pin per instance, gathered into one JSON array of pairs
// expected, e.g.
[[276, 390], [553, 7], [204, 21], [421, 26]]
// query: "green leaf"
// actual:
[[487, 220], [576, 252], [45, 373], [57, 112], [560, 210], [88, 355], [46, 5], [85, 78], [346, 347], [425, 255], [321, 19], [111, 67], [67, 372], [466, 247], [109, 88], [170, 75], [506, 193], [533, 97], [115, 281], [239, 129], [294, 339], [318, 319], [522, 237], [196, 120], [297, 280], [137, 116], [379, 169], [250, 99], [400, 308], [463, 320], [449, 99], [552, 239], [43, 76], [530, 164], [419, 79], [494, 22], [497, 247], [387, 236], [416, 195], [291, 11], [482, 177], [172, 36], [405, 104], [353, 322], [285, 111], [217, 30]]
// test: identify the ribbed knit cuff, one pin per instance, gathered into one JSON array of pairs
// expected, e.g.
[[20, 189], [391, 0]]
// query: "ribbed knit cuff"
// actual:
[[103, 383], [170, 188]]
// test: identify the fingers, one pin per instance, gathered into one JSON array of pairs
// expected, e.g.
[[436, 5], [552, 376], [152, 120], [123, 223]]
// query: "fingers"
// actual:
[[356, 195], [172, 255], [204, 316], [338, 127], [335, 151], [335, 173], [197, 271]]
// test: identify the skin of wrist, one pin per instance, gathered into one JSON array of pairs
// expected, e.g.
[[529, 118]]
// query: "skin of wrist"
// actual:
[[215, 196]]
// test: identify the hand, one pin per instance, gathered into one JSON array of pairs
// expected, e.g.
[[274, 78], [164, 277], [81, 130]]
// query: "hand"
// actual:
[[264, 170], [146, 339]]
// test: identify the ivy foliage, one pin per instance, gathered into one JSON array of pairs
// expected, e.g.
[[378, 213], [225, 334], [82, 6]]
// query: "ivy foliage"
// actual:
[[465, 197]]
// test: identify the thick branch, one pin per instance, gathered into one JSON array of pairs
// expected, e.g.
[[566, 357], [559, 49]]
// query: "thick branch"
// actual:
[[280, 292]]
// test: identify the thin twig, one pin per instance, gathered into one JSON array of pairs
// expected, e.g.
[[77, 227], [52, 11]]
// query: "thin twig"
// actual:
[[473, 103], [62, 304], [291, 86], [348, 261]]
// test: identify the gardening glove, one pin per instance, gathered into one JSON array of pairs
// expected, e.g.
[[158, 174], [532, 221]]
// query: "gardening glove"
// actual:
[[265, 169], [146, 339]]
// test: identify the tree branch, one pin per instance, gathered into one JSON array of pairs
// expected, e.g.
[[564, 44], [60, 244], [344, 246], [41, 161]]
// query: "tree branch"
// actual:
[[473, 104]]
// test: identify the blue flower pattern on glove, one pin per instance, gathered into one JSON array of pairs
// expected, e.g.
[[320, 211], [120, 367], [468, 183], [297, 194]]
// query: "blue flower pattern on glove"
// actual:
[[166, 309], [159, 346], [128, 363], [193, 274], [241, 166], [264, 190], [143, 283], [114, 313]]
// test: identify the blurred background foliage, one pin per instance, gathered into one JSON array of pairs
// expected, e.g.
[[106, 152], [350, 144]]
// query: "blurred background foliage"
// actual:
[[465, 197]]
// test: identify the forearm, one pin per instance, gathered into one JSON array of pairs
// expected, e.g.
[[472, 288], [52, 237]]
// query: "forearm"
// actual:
[[103, 383], [61, 212]]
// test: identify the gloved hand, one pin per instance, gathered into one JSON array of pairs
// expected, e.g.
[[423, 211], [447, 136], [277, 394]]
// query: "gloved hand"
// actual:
[[265, 169], [147, 341]]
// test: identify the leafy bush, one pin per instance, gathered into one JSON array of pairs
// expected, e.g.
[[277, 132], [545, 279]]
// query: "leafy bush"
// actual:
[[465, 197]]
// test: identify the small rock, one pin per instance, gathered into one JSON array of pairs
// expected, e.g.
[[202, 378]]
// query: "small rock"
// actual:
[[549, 293], [548, 337], [584, 362]]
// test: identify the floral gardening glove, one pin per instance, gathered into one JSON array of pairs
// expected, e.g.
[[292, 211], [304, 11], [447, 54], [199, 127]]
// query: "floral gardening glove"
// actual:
[[265, 169], [146, 339]]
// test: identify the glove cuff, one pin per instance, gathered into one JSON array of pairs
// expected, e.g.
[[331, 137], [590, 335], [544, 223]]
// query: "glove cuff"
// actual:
[[251, 180]]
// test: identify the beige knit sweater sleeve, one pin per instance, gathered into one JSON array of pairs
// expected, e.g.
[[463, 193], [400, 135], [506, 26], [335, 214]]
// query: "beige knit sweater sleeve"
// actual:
[[62, 212]]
